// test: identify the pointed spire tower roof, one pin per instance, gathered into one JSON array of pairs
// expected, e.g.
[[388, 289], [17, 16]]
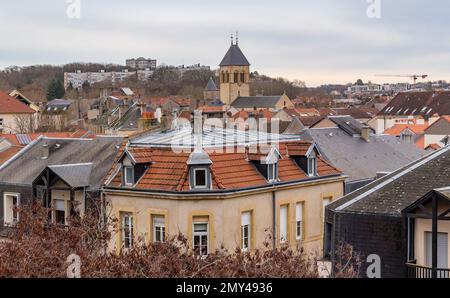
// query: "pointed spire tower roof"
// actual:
[[234, 56], [211, 86]]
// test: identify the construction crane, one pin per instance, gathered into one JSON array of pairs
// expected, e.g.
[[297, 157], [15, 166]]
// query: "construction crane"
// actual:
[[412, 77]]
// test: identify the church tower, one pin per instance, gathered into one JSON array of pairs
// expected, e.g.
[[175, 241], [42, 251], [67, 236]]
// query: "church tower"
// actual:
[[234, 74]]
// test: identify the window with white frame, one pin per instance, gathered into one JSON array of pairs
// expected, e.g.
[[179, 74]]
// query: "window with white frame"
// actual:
[[159, 228], [246, 230], [127, 230], [59, 212], [299, 220], [272, 172], [200, 235], [284, 223], [200, 178], [312, 165], [128, 175], [325, 203], [10, 212]]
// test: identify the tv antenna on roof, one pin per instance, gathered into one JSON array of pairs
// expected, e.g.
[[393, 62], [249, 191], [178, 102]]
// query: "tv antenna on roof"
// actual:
[[237, 37]]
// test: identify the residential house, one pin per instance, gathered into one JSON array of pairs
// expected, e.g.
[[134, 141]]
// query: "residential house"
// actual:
[[133, 119], [221, 187], [305, 112], [438, 134], [57, 114], [406, 106], [360, 154], [15, 116], [427, 229], [402, 218], [362, 114], [65, 174], [21, 97], [410, 133], [11, 144]]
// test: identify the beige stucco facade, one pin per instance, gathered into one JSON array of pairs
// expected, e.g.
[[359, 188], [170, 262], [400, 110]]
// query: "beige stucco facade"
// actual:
[[223, 212], [422, 226], [17, 123]]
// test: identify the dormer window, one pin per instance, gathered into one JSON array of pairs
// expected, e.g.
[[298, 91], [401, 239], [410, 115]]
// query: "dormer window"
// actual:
[[272, 172], [305, 156], [128, 174], [312, 165], [267, 164], [135, 163], [200, 178], [199, 171]]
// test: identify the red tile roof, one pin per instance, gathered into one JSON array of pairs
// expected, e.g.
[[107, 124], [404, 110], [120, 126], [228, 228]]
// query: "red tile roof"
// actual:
[[397, 129], [8, 153], [169, 170], [11, 105], [433, 147], [308, 111], [211, 109]]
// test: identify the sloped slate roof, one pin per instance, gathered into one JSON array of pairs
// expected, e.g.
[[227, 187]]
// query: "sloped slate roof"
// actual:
[[440, 127], [76, 175], [234, 57], [419, 103], [256, 101], [58, 103], [211, 86], [23, 168], [359, 159], [395, 192], [347, 124]]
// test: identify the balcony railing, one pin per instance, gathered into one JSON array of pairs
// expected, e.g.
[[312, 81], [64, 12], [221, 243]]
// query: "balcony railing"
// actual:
[[416, 271]]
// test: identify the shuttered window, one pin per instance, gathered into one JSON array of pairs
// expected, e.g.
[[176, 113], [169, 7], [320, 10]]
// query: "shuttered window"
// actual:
[[442, 249], [299, 221], [284, 224], [246, 219]]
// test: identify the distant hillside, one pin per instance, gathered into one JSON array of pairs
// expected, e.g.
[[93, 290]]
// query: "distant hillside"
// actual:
[[33, 81]]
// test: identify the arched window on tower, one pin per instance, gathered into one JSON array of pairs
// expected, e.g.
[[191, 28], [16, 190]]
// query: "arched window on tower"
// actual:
[[243, 77], [223, 77], [228, 77], [236, 77]]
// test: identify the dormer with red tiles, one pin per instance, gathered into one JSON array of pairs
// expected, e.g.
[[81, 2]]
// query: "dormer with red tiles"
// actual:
[[134, 162], [199, 171]]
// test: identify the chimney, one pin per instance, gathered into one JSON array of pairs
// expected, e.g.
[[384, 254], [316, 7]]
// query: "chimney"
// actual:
[[143, 107], [365, 133], [166, 123]]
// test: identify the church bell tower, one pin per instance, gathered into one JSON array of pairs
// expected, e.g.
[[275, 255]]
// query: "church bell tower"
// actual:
[[234, 74]]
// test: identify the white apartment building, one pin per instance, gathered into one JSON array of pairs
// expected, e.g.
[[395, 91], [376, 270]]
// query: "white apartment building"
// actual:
[[76, 79], [141, 63]]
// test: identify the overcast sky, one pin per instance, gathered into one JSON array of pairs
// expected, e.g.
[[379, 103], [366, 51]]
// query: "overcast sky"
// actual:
[[318, 41]]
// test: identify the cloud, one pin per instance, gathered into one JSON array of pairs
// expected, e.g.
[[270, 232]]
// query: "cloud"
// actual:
[[316, 41]]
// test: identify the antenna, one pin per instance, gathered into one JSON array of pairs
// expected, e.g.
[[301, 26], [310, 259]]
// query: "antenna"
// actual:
[[232, 39], [237, 37]]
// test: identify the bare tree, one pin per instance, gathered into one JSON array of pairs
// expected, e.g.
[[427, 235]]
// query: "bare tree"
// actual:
[[37, 248]]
